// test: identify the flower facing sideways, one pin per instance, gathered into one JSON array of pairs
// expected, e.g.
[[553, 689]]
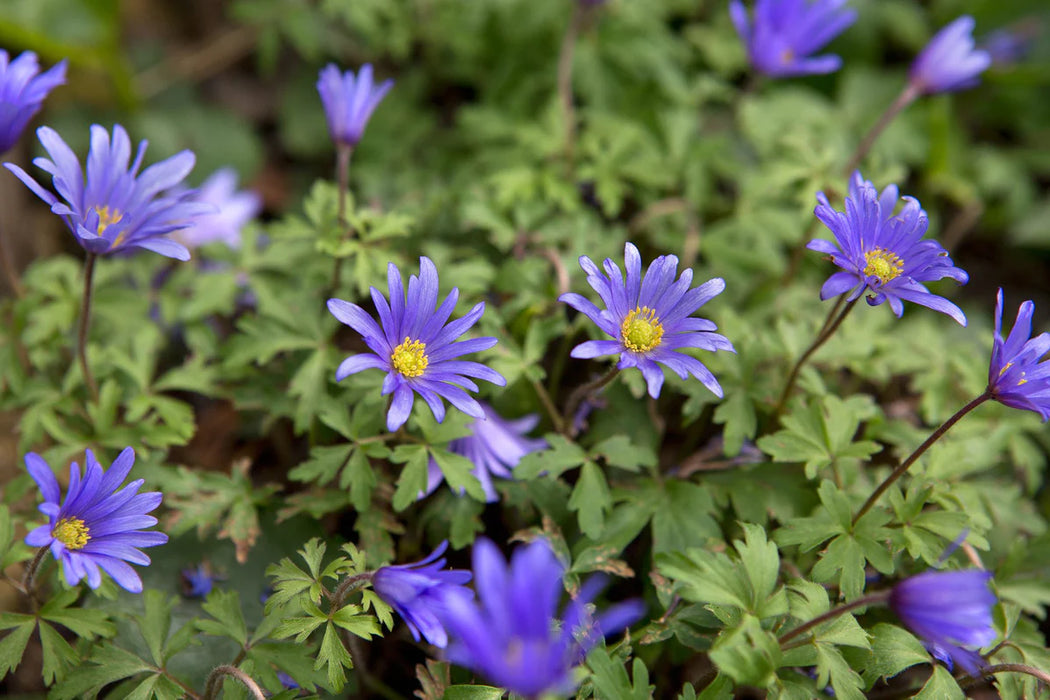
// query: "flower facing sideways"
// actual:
[[416, 348], [950, 60], [883, 254], [114, 207], [513, 635], [495, 446], [1017, 375], [349, 101], [22, 91], [949, 611], [419, 591], [97, 527], [650, 318], [231, 211], [783, 34]]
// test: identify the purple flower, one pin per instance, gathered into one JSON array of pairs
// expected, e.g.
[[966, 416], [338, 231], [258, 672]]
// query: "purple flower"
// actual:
[[198, 581], [884, 254], [948, 610], [1016, 376], [116, 208], [22, 91], [420, 591], [513, 635], [785, 33], [1010, 45], [97, 526], [650, 317], [950, 61], [415, 347], [495, 446], [349, 101], [230, 211]]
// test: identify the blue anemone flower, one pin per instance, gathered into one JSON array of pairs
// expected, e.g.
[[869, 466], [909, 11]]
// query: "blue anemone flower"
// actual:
[[415, 347], [419, 592], [513, 635], [349, 101], [115, 207], [1018, 376], [22, 92], [950, 61], [651, 318], [784, 34], [882, 253], [948, 610], [97, 526], [495, 446], [231, 210]]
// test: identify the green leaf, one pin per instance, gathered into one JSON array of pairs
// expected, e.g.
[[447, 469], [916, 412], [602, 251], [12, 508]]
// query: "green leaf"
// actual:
[[334, 655], [85, 622], [611, 681], [413, 478], [561, 455], [155, 622], [109, 664], [458, 471], [472, 692], [737, 413], [893, 649], [820, 434], [225, 607], [761, 562], [353, 621], [591, 500], [747, 653], [619, 451], [941, 686], [58, 656], [13, 645], [681, 515], [324, 464]]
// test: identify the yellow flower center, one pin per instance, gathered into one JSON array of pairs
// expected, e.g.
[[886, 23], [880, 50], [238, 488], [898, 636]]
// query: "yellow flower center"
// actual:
[[641, 330], [884, 264], [409, 358], [72, 532], [107, 217]]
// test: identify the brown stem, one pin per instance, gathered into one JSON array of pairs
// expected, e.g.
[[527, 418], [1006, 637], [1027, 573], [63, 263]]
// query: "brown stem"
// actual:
[[342, 176], [903, 467], [828, 329], [568, 48], [864, 601], [85, 323], [28, 587], [10, 271], [904, 99], [1042, 675], [348, 585], [214, 681], [579, 394], [548, 404]]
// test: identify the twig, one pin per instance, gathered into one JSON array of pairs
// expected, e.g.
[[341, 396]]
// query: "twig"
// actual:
[[215, 680], [197, 64]]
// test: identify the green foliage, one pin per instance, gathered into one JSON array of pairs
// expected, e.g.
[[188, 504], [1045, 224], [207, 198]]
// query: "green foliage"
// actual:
[[731, 518]]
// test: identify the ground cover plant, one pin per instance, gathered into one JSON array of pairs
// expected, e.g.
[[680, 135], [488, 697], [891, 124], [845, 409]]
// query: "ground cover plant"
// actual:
[[541, 348]]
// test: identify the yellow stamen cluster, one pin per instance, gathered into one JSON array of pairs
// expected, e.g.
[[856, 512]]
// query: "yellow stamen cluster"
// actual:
[[641, 330], [409, 358], [72, 532], [884, 264], [106, 218]]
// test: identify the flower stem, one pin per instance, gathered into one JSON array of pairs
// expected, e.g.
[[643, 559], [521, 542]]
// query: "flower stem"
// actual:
[[864, 601], [211, 686], [568, 48], [903, 467], [348, 585], [580, 394], [1042, 675], [29, 578], [85, 323], [10, 271], [904, 99], [548, 404], [342, 177], [831, 324]]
